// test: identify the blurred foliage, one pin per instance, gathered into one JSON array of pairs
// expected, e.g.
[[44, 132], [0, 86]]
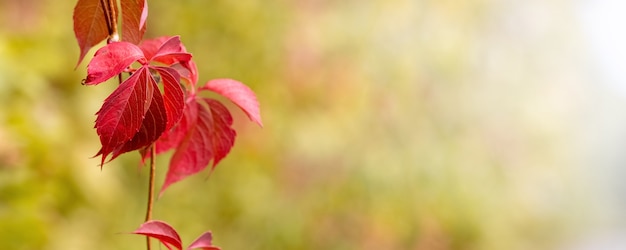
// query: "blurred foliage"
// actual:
[[388, 125]]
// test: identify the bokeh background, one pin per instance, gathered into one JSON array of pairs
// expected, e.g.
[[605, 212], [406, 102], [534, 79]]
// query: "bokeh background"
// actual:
[[399, 124]]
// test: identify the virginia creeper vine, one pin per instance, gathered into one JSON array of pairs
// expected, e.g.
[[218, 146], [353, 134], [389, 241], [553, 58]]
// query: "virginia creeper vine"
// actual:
[[157, 107]]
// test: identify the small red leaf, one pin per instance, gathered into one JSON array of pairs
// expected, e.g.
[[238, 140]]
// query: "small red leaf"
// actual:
[[239, 94], [122, 113], [111, 60], [162, 232], [209, 137], [90, 24], [204, 242], [151, 46], [171, 51], [134, 13]]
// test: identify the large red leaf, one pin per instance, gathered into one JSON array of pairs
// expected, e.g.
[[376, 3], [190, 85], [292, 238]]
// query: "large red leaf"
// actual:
[[208, 137], [134, 14], [171, 51], [111, 60], [153, 124], [162, 232], [90, 24], [204, 242], [122, 113], [239, 94]]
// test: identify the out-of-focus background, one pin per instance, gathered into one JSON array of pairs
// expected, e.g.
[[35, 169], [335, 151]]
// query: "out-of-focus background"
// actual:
[[397, 124]]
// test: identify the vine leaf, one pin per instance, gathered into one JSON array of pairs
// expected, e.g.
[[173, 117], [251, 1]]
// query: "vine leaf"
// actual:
[[136, 114], [205, 132], [239, 94], [111, 60], [204, 242], [122, 114], [91, 25], [162, 232], [134, 14], [205, 135]]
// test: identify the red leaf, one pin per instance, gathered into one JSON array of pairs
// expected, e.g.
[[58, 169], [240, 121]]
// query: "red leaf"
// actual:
[[134, 14], [162, 232], [153, 124], [111, 60], [204, 242], [122, 113], [90, 24], [174, 96], [171, 51], [189, 72], [239, 94], [166, 50], [174, 136], [209, 137], [151, 46]]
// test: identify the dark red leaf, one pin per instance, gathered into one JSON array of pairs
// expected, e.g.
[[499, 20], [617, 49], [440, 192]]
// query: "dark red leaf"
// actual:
[[204, 242], [122, 113], [111, 60], [90, 24], [174, 96], [239, 94], [153, 124], [162, 232], [209, 137], [134, 14]]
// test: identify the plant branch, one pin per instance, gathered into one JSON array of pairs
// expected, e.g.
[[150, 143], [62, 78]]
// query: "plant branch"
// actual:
[[151, 188], [108, 7]]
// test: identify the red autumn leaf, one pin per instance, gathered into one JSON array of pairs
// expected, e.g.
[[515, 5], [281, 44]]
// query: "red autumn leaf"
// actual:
[[90, 24], [239, 94], [166, 50], [174, 96], [170, 52], [162, 232], [189, 72], [122, 113], [204, 242], [208, 136], [153, 123], [111, 60], [134, 14], [151, 46]]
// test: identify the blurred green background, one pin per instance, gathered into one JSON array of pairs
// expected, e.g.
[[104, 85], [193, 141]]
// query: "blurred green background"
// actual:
[[398, 124]]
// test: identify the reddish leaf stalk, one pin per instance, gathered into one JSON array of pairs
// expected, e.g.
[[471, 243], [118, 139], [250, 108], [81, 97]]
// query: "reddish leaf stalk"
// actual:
[[150, 190]]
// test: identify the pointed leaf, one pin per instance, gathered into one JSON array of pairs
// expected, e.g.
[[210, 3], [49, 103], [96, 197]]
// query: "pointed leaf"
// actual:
[[239, 94], [204, 242], [174, 96], [189, 72], [171, 51], [122, 113], [90, 24], [162, 232], [210, 137], [153, 124], [111, 60], [134, 14], [151, 46]]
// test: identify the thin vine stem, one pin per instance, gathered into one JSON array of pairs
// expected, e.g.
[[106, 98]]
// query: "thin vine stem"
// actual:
[[150, 189]]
